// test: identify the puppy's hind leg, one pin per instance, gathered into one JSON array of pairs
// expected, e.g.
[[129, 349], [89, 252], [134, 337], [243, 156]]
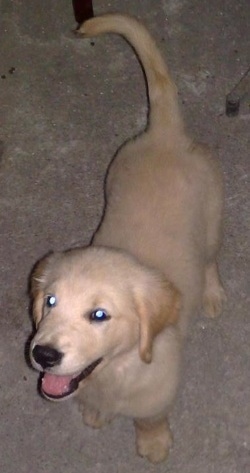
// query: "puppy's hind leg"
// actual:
[[214, 295], [153, 439]]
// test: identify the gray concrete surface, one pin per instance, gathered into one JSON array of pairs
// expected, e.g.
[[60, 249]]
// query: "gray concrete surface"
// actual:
[[65, 109]]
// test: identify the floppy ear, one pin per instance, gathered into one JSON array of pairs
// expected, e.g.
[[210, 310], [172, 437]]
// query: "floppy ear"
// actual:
[[37, 282], [157, 308]]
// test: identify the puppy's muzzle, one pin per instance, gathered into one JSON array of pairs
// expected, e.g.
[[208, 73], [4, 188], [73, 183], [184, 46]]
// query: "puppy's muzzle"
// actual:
[[46, 356]]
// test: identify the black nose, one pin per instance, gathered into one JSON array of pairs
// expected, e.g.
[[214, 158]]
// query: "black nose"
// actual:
[[46, 356]]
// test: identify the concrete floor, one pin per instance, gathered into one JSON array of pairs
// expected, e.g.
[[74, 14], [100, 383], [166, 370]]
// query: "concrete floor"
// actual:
[[66, 105]]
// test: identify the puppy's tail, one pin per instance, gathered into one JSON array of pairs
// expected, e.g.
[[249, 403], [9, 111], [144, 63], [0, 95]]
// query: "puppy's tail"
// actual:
[[162, 92]]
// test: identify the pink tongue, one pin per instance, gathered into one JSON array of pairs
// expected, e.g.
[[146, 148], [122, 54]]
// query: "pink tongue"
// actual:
[[56, 385]]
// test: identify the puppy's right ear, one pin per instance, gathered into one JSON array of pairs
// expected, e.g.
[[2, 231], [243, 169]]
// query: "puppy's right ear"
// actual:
[[157, 306], [37, 284]]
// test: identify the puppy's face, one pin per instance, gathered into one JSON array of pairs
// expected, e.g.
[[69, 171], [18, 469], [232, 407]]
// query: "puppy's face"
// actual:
[[91, 305]]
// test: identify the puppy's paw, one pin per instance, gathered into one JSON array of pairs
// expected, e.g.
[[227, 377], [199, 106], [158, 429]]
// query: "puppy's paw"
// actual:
[[214, 294], [156, 449], [213, 300], [93, 418], [154, 444]]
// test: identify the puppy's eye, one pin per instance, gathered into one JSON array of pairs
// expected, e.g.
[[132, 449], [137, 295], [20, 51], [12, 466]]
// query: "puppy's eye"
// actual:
[[98, 315], [50, 301]]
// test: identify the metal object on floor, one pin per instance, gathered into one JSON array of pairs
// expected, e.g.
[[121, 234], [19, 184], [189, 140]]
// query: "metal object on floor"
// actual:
[[83, 9], [237, 94]]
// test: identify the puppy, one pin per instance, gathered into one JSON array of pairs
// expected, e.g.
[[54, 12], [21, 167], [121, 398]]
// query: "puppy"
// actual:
[[111, 317]]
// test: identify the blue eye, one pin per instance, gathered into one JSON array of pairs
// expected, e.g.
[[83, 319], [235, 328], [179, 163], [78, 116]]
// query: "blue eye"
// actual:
[[51, 301], [99, 315]]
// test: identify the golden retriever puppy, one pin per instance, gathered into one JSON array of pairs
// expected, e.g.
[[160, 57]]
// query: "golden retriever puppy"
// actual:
[[111, 317]]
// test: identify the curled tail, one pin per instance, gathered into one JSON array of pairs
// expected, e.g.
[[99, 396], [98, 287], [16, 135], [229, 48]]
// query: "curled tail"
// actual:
[[162, 92]]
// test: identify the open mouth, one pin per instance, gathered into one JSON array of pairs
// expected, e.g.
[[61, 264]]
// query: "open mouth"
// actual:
[[57, 387]]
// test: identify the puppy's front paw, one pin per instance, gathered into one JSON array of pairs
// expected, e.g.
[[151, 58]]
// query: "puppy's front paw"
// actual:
[[93, 418], [153, 442]]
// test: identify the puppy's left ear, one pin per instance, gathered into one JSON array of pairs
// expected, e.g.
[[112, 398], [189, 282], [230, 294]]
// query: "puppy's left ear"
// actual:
[[157, 308], [37, 282]]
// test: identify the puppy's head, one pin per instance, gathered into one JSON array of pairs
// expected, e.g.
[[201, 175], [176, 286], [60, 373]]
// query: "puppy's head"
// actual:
[[91, 305]]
